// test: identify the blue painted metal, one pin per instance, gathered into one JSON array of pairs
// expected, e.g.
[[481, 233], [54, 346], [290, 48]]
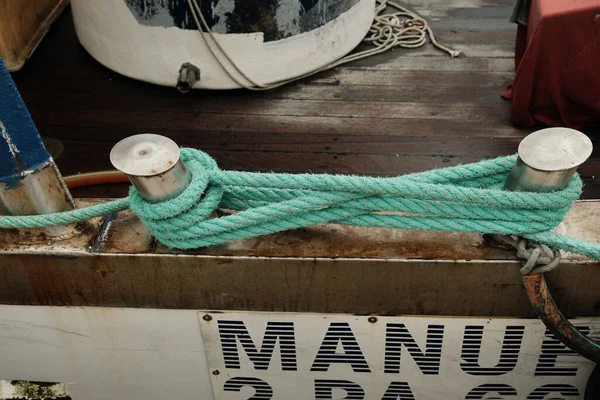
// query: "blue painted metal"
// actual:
[[21, 147]]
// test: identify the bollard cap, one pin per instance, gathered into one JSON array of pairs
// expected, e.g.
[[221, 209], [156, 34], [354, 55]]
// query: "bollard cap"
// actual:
[[153, 166], [555, 149], [146, 154]]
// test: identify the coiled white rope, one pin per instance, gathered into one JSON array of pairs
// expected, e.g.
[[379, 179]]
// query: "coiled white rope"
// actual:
[[402, 28]]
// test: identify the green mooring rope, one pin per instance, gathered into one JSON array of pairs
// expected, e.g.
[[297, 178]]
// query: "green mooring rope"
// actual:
[[466, 198]]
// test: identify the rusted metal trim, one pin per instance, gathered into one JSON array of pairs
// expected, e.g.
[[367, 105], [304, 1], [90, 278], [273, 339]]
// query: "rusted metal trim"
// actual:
[[547, 311]]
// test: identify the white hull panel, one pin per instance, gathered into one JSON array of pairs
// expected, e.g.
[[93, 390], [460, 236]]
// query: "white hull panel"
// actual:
[[150, 354]]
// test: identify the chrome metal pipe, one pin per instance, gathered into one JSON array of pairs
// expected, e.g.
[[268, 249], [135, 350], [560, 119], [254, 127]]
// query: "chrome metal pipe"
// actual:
[[153, 165], [38, 192], [548, 160]]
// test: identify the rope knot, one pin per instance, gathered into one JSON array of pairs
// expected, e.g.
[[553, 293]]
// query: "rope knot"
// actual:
[[168, 220], [537, 258]]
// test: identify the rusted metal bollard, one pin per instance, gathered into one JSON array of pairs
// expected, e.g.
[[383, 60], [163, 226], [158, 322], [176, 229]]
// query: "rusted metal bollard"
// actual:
[[547, 161], [153, 165]]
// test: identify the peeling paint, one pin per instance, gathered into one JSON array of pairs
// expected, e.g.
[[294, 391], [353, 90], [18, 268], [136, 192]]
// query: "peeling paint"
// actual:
[[277, 19], [21, 148], [12, 148]]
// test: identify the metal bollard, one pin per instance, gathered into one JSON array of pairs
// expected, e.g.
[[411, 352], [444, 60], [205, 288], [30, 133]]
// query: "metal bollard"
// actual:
[[30, 183], [152, 164], [548, 160]]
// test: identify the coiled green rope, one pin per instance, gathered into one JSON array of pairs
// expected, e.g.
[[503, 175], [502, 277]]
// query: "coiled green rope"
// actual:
[[465, 198]]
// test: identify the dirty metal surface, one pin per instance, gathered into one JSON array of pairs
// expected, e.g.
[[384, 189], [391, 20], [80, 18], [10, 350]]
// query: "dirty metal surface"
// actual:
[[123, 233], [37, 241], [477, 288], [327, 268], [335, 241]]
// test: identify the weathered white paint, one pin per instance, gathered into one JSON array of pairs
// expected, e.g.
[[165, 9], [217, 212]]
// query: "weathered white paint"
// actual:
[[106, 353], [150, 354], [112, 35]]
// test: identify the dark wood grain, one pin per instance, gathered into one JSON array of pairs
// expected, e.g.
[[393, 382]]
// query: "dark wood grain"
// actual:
[[399, 112]]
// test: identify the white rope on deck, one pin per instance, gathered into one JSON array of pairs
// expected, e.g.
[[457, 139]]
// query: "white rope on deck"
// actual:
[[402, 28]]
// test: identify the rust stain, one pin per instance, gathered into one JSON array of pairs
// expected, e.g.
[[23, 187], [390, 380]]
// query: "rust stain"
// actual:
[[341, 241], [546, 310], [125, 234], [22, 236]]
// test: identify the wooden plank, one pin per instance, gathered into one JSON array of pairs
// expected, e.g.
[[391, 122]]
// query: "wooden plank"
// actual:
[[458, 3], [98, 126], [390, 93], [390, 145], [484, 13], [493, 50], [392, 61], [457, 79], [467, 36], [337, 85], [335, 77], [318, 108], [334, 92]]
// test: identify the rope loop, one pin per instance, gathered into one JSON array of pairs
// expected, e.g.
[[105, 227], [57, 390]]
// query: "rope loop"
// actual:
[[442, 199], [196, 203], [537, 256]]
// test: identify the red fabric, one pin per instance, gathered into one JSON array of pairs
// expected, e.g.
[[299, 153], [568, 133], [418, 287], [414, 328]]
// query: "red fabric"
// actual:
[[557, 60]]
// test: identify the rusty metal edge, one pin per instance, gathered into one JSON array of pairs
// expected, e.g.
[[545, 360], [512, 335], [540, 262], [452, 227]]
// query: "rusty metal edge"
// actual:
[[541, 299]]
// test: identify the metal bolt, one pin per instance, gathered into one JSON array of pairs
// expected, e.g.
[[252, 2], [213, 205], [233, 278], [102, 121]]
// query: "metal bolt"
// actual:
[[548, 160], [372, 319], [207, 317], [153, 166], [216, 372], [189, 75]]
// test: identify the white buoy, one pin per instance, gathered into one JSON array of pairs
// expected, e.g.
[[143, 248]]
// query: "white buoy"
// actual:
[[151, 40]]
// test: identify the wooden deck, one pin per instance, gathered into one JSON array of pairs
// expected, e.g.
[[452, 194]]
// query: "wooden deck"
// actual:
[[400, 112]]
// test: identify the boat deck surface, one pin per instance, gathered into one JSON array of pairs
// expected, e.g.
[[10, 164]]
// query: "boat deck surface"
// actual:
[[399, 112]]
